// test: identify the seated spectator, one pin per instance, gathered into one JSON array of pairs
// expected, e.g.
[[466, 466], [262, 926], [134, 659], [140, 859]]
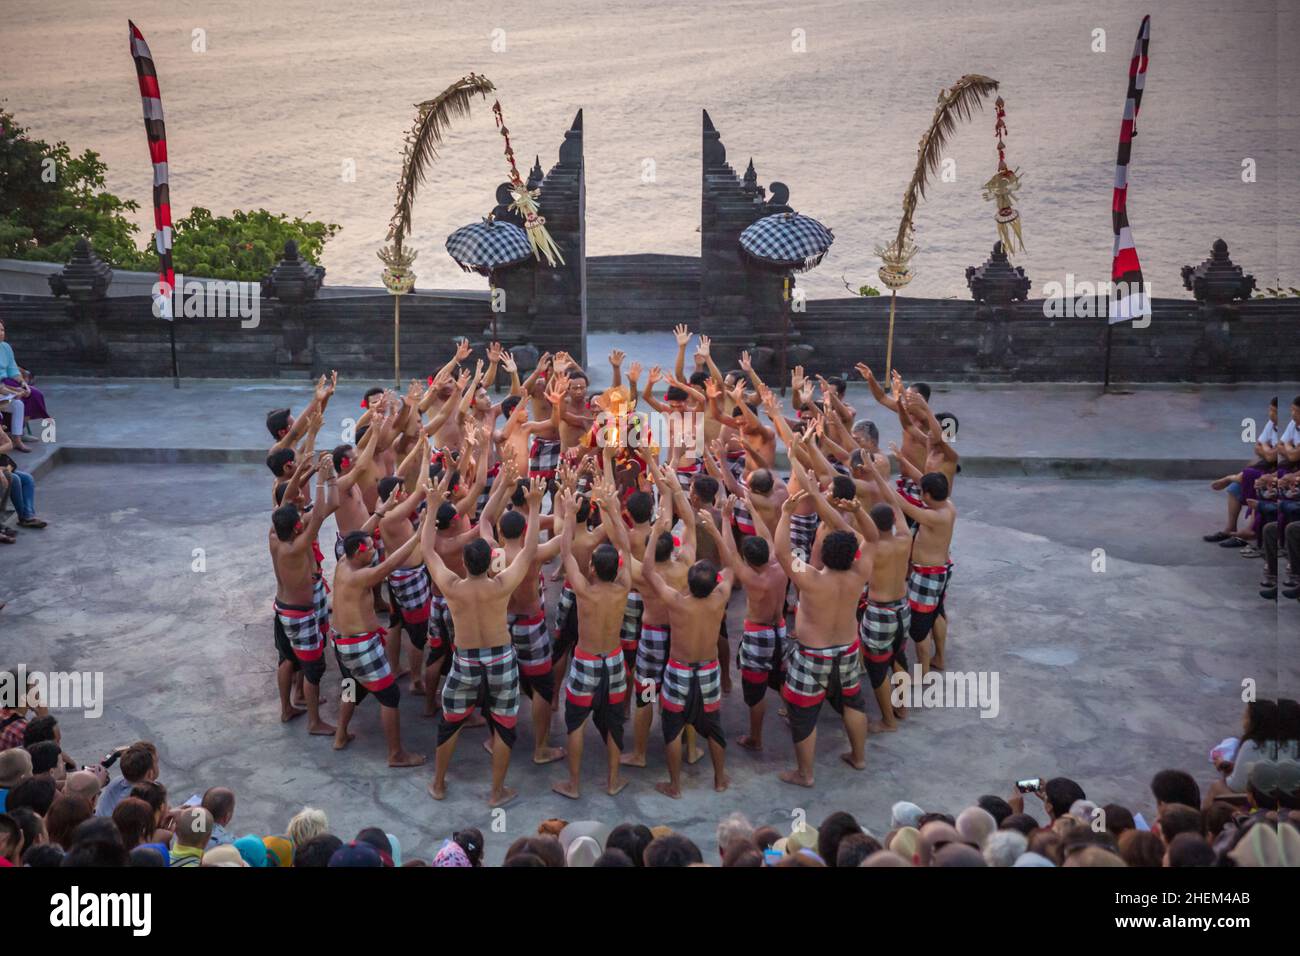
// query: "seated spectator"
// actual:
[[225, 856], [155, 794], [1176, 818], [138, 763], [733, 828], [834, 829], [672, 850], [83, 783], [24, 400], [13, 720], [1188, 849], [307, 824], [1094, 856], [1004, 847], [1174, 786], [220, 802], [632, 839], [854, 848], [134, 820], [316, 852], [998, 807], [65, 814], [43, 855], [251, 849], [1118, 820], [193, 829], [613, 857], [11, 841], [15, 767], [20, 487], [1240, 486], [1259, 734], [35, 793]]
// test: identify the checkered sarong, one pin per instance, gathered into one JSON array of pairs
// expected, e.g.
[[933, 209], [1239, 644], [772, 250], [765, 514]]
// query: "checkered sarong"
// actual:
[[565, 605], [442, 629], [882, 627], [686, 474], [413, 592], [543, 457], [736, 465], [677, 685], [651, 656], [740, 517], [763, 649], [486, 676], [925, 586], [321, 603], [532, 642], [487, 490], [586, 672], [301, 627], [803, 532], [365, 658], [630, 634], [810, 671]]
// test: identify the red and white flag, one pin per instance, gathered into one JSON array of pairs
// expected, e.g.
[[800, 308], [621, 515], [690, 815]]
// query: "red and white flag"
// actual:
[[157, 135], [1129, 296]]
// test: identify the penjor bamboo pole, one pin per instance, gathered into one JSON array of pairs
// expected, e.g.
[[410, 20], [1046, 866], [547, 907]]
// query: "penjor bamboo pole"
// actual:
[[397, 341], [889, 347]]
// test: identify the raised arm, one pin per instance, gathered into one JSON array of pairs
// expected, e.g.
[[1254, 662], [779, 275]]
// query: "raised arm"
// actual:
[[513, 573]]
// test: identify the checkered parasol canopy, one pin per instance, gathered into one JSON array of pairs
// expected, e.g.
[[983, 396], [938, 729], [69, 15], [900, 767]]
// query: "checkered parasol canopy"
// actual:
[[787, 240], [487, 246]]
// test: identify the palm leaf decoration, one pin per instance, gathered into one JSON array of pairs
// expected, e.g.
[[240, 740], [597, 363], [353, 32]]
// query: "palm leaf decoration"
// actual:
[[955, 104], [432, 119]]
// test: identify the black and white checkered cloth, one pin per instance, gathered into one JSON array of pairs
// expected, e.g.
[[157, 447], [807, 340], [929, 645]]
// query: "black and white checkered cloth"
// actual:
[[787, 239], [488, 245]]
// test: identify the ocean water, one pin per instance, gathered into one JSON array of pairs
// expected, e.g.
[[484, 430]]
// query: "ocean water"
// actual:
[[829, 97]]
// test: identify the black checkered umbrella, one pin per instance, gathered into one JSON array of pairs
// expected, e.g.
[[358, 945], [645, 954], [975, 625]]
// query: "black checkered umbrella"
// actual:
[[488, 246], [787, 241]]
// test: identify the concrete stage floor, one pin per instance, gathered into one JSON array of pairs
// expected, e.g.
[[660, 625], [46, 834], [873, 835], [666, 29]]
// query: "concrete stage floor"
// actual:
[[1105, 677]]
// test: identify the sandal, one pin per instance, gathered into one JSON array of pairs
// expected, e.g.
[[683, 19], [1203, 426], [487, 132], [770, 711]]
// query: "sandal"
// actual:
[[1216, 537], [1250, 551], [7, 537], [32, 522], [1231, 542]]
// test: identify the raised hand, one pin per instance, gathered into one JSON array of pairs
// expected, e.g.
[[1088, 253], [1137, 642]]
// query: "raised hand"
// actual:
[[508, 362], [634, 372], [864, 370], [793, 502], [616, 358], [746, 361], [656, 374], [536, 489], [462, 350], [682, 334]]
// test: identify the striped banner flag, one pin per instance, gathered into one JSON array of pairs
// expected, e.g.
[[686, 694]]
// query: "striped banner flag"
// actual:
[[1129, 298], [157, 135]]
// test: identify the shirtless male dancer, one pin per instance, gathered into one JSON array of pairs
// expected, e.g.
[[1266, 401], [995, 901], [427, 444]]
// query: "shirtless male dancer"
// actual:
[[886, 619], [692, 686], [931, 568], [765, 644], [826, 662], [299, 596], [484, 668], [672, 559], [526, 610], [597, 681], [359, 642]]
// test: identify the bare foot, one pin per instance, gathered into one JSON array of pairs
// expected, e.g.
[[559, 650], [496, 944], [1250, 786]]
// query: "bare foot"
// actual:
[[298, 701], [668, 790], [936, 663], [796, 778], [437, 791], [291, 713], [505, 797], [1220, 483], [880, 727], [859, 764], [614, 789], [694, 755], [750, 743], [632, 760], [726, 685], [566, 788], [321, 729], [721, 784], [548, 754], [404, 759], [341, 742]]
